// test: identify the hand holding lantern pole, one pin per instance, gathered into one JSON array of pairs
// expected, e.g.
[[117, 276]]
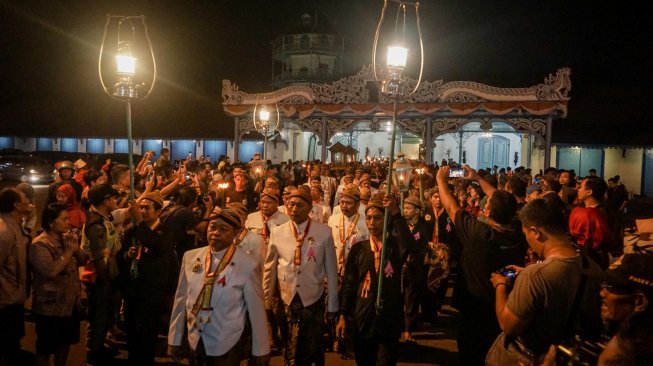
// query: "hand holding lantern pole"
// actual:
[[393, 85]]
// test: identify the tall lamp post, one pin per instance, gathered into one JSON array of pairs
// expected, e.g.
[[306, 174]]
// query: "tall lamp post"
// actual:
[[125, 89], [266, 122], [393, 85]]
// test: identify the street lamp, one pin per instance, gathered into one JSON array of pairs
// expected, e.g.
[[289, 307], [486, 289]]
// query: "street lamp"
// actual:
[[125, 89], [266, 122], [393, 85]]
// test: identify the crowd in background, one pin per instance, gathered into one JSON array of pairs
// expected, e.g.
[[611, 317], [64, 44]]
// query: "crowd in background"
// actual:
[[235, 266]]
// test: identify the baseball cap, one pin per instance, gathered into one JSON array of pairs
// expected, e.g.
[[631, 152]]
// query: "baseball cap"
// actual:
[[98, 193], [632, 272]]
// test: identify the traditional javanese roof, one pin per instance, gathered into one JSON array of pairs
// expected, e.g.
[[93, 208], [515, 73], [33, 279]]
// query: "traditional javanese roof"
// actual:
[[433, 109], [354, 96]]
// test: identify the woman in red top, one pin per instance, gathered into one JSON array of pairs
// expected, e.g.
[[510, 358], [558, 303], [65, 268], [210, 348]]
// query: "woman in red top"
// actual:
[[66, 196]]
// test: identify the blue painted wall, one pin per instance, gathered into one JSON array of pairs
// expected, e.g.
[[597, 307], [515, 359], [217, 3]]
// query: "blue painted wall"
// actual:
[[214, 149], [44, 144], [581, 160], [69, 145], [247, 149], [95, 146], [154, 145], [6, 143], [647, 174], [179, 149], [120, 146]]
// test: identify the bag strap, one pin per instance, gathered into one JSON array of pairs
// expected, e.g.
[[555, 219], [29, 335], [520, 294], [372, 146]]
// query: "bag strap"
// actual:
[[569, 324]]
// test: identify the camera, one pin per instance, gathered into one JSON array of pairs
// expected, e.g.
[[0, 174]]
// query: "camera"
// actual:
[[580, 352], [204, 197]]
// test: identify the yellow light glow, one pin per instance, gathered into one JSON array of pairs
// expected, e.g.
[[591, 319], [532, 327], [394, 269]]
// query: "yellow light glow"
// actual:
[[126, 64], [397, 56], [264, 115]]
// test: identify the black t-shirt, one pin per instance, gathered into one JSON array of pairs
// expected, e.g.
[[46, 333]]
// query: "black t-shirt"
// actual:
[[178, 224], [246, 197], [484, 250]]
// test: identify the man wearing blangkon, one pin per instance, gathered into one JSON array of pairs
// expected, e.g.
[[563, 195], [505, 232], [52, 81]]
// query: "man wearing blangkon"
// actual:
[[551, 300]]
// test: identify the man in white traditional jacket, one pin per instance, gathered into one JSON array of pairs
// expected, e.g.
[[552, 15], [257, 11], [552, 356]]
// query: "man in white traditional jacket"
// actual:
[[219, 286], [261, 223], [284, 199], [316, 194], [348, 226], [300, 257], [328, 183], [268, 217], [346, 180]]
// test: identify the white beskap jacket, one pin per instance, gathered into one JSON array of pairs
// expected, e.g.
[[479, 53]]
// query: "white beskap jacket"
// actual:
[[308, 279], [220, 328]]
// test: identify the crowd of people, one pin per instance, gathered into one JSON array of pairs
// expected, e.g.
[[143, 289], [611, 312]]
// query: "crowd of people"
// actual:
[[308, 258]]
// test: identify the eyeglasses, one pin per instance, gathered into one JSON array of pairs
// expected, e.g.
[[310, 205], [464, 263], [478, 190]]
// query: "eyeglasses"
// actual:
[[617, 290]]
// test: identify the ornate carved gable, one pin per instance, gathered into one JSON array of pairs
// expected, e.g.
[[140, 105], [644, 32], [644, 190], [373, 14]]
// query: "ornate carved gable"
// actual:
[[356, 90]]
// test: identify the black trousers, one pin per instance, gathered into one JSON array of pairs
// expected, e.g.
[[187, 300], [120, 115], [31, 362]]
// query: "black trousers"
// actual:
[[376, 351], [12, 329], [101, 314], [414, 295], [142, 325], [231, 358], [477, 330], [305, 344]]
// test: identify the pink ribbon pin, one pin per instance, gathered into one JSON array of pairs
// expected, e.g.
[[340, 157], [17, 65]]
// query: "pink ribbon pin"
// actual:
[[388, 270], [310, 254]]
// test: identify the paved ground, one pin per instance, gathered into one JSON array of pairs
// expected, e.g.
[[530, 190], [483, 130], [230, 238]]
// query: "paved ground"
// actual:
[[435, 346]]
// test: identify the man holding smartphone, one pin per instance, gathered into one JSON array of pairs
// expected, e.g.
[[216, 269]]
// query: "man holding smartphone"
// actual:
[[485, 247], [529, 320]]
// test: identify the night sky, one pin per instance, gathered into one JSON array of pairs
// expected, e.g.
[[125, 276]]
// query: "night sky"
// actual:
[[50, 51]]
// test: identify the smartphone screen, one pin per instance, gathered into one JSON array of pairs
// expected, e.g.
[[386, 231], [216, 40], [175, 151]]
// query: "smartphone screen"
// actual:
[[456, 172]]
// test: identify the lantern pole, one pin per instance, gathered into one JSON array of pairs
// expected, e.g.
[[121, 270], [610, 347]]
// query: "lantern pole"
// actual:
[[393, 86], [126, 90]]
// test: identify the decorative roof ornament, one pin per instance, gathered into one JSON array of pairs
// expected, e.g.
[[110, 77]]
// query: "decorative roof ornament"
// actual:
[[355, 90]]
